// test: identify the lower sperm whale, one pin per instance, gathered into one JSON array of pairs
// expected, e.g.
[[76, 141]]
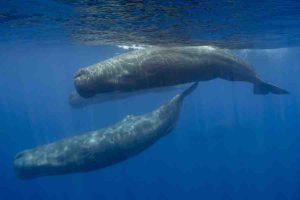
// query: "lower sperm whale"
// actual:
[[101, 148], [167, 66]]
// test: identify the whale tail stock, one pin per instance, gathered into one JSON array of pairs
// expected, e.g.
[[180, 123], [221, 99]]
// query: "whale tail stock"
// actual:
[[263, 88], [189, 90]]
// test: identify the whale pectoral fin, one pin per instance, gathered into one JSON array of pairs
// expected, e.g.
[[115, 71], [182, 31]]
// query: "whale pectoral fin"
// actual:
[[263, 88]]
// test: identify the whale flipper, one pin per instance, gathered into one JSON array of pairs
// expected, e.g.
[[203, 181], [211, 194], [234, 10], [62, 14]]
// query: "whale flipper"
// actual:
[[263, 88]]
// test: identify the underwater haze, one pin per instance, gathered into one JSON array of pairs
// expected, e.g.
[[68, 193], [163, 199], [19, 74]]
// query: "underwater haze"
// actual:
[[228, 144]]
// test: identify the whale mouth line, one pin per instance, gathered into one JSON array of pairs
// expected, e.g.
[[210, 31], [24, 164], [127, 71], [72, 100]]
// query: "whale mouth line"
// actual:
[[78, 75]]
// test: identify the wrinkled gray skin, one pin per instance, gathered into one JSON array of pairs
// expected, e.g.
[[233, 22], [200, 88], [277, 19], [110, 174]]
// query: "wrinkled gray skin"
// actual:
[[76, 101], [163, 66], [101, 148]]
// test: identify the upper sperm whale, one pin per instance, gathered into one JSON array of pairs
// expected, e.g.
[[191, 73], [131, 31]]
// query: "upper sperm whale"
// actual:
[[167, 66]]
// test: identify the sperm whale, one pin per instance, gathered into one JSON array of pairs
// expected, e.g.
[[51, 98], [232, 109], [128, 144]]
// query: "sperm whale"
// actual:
[[167, 66], [101, 148]]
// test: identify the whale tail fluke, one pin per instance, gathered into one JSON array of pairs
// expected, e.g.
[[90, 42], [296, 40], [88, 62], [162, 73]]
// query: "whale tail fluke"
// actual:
[[263, 88]]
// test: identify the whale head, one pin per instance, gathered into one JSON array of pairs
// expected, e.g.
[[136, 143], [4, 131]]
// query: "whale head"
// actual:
[[88, 83]]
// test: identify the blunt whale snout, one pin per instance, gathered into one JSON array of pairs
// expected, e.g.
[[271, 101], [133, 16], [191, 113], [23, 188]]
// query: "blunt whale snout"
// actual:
[[88, 84], [82, 82]]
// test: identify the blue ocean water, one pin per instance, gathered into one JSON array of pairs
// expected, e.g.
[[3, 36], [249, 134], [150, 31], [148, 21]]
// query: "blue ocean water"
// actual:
[[228, 142]]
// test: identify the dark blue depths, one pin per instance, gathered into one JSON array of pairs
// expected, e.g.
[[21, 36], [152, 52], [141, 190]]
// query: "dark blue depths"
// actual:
[[228, 143]]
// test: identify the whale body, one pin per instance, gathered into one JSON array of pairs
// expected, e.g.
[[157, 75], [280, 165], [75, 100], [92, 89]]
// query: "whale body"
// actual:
[[101, 148], [166, 66]]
